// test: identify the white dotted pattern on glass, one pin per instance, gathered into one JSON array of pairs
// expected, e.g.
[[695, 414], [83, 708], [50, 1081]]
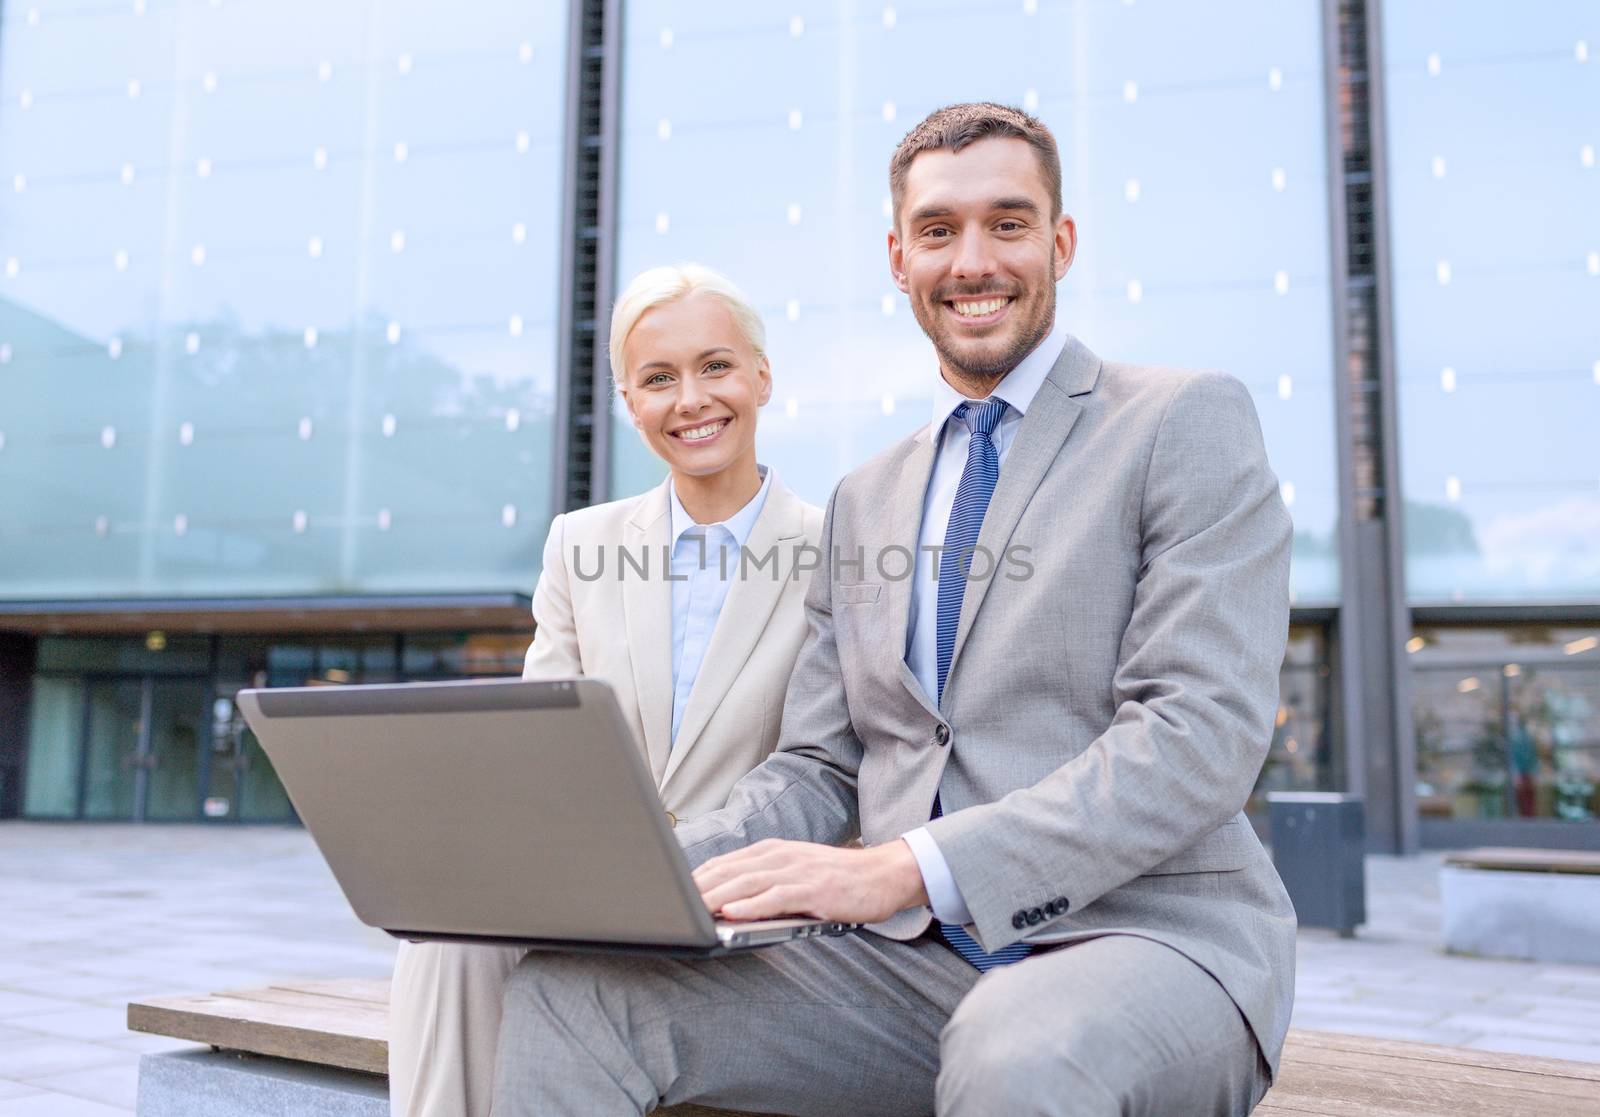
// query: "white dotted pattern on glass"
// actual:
[[214, 232]]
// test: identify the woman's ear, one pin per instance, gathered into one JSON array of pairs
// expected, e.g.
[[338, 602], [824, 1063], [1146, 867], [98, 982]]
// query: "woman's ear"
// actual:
[[627, 401], [764, 373]]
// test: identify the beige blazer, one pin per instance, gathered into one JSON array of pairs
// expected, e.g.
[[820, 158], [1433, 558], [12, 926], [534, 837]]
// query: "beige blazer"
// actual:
[[599, 616]]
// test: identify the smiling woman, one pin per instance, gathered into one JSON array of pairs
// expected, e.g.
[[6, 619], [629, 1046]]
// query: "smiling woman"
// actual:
[[697, 648]]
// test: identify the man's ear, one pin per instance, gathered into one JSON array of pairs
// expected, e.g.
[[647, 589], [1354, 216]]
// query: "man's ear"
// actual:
[[897, 262], [1066, 243]]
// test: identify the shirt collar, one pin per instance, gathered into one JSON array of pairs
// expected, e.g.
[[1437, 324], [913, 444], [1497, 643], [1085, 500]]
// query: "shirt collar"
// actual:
[[739, 525], [1017, 387]]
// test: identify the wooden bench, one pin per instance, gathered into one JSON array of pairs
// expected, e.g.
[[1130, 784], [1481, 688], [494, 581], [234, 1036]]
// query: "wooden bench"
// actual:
[[321, 1047], [1541, 904]]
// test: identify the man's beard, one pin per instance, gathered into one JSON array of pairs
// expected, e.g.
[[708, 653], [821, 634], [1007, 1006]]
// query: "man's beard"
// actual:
[[979, 369]]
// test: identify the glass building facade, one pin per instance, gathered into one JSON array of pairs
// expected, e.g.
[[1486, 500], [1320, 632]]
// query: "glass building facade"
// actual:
[[272, 319], [760, 146], [282, 318], [1494, 123]]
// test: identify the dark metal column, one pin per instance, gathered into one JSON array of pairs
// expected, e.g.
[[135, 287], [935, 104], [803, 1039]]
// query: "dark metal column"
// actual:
[[1374, 682], [16, 686], [588, 223]]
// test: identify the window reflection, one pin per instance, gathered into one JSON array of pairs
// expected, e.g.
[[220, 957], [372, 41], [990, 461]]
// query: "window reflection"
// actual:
[[1301, 756], [1507, 722]]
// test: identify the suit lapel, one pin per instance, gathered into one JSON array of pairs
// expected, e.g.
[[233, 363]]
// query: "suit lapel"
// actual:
[[751, 600], [647, 616], [1040, 436], [903, 526]]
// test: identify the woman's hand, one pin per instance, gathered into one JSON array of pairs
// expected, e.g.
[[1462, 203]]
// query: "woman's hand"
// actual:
[[775, 878]]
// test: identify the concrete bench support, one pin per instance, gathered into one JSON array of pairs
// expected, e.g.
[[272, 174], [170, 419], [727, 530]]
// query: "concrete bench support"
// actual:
[[1522, 904], [230, 1084]]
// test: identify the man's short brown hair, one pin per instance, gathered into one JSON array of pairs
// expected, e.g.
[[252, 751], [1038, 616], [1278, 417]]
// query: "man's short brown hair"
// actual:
[[955, 126]]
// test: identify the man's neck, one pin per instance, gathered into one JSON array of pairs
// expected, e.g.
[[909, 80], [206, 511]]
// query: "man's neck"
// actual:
[[969, 386], [715, 497]]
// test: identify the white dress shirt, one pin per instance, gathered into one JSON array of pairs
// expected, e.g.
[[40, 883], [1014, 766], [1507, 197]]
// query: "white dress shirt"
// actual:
[[705, 560], [950, 440]]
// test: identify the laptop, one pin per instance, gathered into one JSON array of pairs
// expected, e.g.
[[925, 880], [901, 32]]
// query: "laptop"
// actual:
[[497, 811]]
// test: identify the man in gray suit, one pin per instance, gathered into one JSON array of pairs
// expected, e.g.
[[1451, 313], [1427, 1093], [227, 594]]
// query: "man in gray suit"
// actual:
[[1039, 682]]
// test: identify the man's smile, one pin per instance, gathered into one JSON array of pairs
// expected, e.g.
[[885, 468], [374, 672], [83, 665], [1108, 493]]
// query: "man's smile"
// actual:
[[980, 311]]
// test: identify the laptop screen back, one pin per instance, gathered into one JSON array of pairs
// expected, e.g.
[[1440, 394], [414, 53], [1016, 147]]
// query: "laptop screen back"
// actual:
[[502, 808]]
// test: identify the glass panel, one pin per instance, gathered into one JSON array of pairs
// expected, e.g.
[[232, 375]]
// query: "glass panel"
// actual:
[[55, 748], [221, 768], [246, 661], [241, 662], [278, 309], [1193, 160], [261, 795], [241, 783], [291, 664], [258, 661], [1507, 722], [1496, 246], [156, 653], [446, 655], [358, 660], [177, 734], [115, 710], [1301, 757]]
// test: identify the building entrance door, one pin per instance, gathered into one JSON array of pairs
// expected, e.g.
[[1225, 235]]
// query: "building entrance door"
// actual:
[[142, 742]]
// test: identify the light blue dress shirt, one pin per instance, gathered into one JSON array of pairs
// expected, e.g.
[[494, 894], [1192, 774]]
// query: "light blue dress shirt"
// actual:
[[705, 561], [950, 440]]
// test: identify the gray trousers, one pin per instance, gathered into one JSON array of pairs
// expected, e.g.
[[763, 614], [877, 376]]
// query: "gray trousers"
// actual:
[[862, 1025]]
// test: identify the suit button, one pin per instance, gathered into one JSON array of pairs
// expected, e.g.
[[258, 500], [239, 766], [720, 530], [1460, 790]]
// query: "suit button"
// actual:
[[941, 735], [1019, 920], [1061, 905], [1035, 916], [672, 819]]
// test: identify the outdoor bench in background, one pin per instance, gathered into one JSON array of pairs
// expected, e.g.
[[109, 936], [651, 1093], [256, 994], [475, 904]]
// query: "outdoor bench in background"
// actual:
[[320, 1048], [1541, 904]]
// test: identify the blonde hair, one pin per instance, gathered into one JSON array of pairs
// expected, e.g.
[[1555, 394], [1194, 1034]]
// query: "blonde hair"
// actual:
[[663, 285]]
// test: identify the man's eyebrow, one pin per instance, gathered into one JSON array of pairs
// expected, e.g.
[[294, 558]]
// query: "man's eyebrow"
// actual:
[[660, 363], [1019, 203]]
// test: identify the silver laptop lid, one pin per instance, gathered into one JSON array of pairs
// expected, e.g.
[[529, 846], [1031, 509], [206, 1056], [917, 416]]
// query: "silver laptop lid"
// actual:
[[501, 808]]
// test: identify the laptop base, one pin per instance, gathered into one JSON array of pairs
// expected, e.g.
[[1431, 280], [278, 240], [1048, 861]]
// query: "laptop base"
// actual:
[[741, 940]]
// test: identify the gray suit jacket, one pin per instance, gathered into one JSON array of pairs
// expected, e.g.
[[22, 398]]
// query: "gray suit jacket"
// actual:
[[1104, 718]]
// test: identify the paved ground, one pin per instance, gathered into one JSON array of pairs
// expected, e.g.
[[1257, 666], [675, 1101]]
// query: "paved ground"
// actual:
[[91, 916]]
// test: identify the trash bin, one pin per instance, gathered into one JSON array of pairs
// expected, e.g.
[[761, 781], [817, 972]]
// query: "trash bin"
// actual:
[[1319, 843]]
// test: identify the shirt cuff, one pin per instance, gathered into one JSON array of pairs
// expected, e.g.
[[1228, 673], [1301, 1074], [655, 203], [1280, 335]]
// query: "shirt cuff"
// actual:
[[943, 896]]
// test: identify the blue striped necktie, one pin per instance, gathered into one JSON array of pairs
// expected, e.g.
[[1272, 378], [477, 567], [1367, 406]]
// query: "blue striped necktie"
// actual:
[[960, 541]]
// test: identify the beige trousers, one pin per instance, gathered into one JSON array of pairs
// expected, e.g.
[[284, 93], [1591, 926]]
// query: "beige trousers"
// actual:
[[444, 1025]]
